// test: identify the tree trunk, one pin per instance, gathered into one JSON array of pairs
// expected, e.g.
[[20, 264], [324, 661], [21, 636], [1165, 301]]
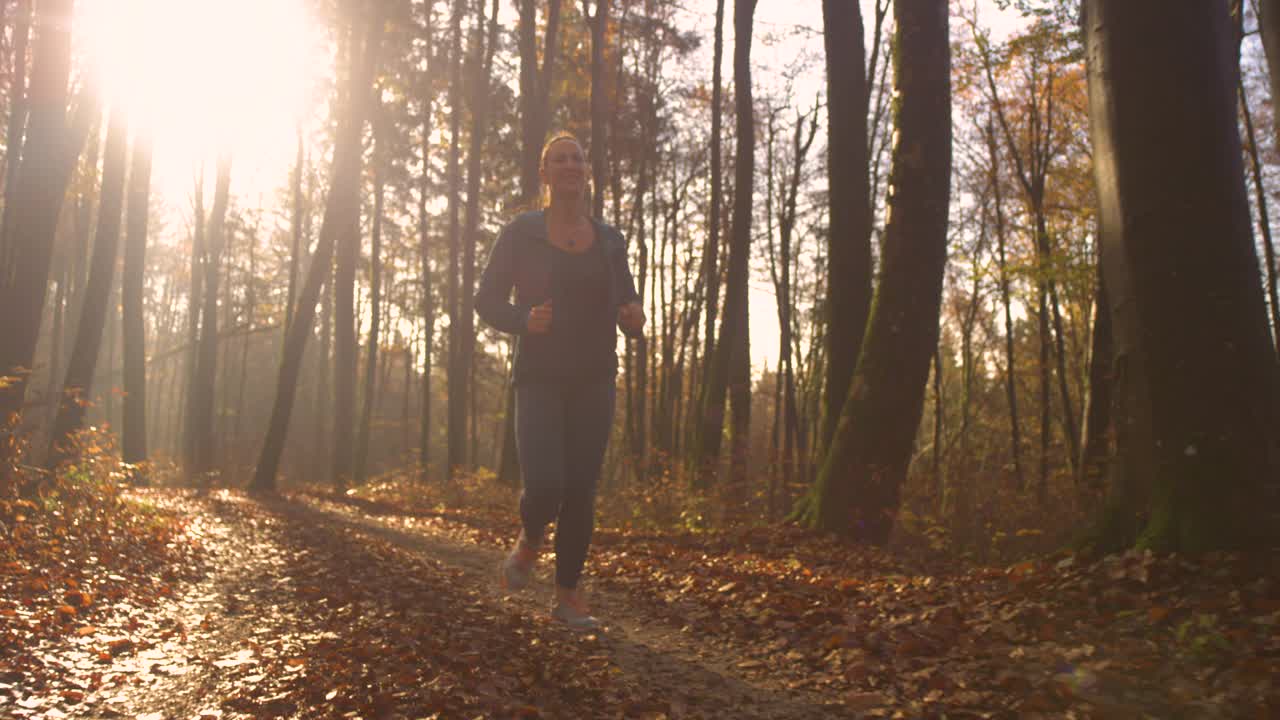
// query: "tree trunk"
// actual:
[[204, 398], [599, 24], [55, 351], [82, 229], [1199, 372], [77, 389], [1006, 302], [736, 351], [709, 425], [849, 207], [250, 303], [428, 299], [17, 98], [535, 91], [1269, 29], [535, 94], [723, 371], [1264, 217], [324, 373], [345, 349], [857, 491], [1097, 447], [295, 257], [482, 71], [134, 443], [30, 219], [456, 451], [195, 305], [342, 204], [375, 300]]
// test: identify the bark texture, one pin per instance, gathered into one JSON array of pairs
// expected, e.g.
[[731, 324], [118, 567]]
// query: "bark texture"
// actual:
[[1196, 368], [857, 491], [849, 237]]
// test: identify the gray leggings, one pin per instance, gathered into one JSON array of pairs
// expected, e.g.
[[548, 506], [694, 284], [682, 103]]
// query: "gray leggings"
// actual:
[[561, 433]]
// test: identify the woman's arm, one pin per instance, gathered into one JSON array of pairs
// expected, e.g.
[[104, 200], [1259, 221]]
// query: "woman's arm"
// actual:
[[626, 284], [493, 297]]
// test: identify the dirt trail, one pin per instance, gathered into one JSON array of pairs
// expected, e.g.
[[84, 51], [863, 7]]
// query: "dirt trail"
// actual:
[[695, 672], [311, 609], [176, 655]]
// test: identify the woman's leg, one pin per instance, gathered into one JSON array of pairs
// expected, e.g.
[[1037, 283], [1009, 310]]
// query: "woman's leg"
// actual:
[[540, 428], [588, 419]]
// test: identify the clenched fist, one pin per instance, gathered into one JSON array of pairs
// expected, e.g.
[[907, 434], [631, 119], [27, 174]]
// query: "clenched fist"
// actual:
[[539, 320], [631, 317]]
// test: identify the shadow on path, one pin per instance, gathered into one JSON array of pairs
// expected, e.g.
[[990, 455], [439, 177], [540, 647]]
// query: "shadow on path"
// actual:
[[691, 672]]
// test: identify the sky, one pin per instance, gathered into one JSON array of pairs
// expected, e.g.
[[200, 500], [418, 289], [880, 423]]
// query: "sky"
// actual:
[[201, 77]]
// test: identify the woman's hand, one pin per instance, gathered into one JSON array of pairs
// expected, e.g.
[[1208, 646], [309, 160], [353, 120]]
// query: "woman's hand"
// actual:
[[631, 317], [539, 320]]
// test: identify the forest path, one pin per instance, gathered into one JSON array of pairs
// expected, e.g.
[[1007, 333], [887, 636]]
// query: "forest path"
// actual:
[[694, 672], [306, 608], [328, 606]]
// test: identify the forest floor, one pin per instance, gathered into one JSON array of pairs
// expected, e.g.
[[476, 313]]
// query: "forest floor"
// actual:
[[225, 606]]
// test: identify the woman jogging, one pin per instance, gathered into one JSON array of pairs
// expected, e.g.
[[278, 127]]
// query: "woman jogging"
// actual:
[[572, 289]]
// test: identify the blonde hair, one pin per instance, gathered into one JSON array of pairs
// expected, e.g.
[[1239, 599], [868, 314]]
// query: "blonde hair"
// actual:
[[544, 194]]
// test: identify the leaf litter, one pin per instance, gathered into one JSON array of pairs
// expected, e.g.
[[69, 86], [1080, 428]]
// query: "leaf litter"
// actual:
[[228, 607]]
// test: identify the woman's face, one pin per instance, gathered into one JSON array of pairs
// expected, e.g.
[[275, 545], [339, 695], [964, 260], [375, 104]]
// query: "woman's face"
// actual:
[[564, 167]]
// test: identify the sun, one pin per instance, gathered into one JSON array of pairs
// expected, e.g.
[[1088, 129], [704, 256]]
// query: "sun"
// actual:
[[204, 76]]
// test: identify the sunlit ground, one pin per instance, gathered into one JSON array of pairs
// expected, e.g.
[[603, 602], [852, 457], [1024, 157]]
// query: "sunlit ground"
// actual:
[[204, 76]]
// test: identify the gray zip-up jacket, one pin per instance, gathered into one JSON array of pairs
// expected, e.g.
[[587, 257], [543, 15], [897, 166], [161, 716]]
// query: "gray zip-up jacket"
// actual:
[[522, 259]]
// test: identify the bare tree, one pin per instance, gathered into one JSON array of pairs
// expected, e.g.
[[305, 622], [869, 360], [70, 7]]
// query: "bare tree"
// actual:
[[30, 218], [857, 491], [849, 237], [134, 443], [78, 387], [342, 204]]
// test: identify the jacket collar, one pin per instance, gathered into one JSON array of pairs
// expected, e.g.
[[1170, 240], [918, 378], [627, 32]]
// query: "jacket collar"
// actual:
[[538, 231]]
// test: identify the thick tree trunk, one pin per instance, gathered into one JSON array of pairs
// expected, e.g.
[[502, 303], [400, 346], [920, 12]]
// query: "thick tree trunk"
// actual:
[[342, 204], [134, 444], [77, 389], [31, 216], [1198, 370], [857, 491], [849, 207]]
